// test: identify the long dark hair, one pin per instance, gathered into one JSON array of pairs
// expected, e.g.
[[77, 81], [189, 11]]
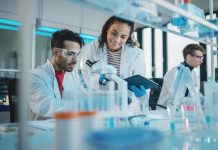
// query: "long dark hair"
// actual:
[[103, 37]]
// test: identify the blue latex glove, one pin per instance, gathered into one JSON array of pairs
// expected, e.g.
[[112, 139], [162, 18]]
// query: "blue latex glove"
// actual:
[[139, 92], [103, 80]]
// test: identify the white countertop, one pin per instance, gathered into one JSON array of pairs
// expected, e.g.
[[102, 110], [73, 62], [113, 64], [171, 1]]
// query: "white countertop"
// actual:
[[41, 134]]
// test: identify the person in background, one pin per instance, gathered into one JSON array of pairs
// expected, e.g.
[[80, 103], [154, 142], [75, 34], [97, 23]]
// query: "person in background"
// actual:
[[52, 82], [193, 55], [116, 46]]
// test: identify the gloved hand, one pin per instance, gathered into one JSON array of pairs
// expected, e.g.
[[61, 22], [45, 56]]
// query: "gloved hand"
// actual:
[[139, 92], [103, 80]]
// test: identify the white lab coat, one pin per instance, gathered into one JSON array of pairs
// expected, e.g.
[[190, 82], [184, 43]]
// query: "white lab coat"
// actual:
[[168, 84], [45, 94], [132, 62]]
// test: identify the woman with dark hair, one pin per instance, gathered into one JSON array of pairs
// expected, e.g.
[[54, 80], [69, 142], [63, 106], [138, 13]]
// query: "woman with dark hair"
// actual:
[[116, 46], [130, 40]]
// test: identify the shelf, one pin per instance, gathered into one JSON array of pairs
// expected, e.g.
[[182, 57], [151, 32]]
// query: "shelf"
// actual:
[[9, 70], [158, 14]]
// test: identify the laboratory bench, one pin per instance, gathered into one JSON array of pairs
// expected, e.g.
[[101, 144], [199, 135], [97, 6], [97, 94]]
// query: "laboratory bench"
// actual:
[[41, 135]]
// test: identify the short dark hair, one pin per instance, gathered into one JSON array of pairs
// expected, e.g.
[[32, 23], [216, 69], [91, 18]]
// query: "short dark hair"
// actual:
[[60, 36], [191, 48], [103, 37]]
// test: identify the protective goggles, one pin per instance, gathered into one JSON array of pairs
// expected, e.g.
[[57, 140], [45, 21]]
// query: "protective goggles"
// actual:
[[69, 53]]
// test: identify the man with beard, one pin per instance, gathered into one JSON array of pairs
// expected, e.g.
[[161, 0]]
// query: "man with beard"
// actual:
[[54, 81]]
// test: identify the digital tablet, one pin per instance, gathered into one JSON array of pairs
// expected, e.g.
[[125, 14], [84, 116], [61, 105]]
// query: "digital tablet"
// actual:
[[138, 80]]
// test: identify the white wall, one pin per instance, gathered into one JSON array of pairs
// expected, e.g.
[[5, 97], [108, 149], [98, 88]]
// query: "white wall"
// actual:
[[59, 13], [147, 47], [53, 13], [9, 9], [88, 20]]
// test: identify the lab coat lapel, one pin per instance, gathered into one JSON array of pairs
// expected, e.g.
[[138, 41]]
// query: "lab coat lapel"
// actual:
[[103, 55], [124, 63], [56, 89], [55, 82]]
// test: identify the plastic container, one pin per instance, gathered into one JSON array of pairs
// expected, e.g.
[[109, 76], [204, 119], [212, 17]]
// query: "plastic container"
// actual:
[[66, 131], [71, 129], [184, 24], [206, 32], [133, 138], [211, 101], [87, 123], [191, 121]]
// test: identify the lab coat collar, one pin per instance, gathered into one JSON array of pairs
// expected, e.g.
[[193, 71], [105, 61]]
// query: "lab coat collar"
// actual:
[[105, 48], [51, 67], [186, 65]]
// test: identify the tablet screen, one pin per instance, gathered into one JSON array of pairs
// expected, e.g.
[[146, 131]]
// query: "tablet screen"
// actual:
[[138, 80]]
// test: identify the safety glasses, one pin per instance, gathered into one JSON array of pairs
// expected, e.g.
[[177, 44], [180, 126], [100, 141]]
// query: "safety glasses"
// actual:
[[199, 57], [69, 53]]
